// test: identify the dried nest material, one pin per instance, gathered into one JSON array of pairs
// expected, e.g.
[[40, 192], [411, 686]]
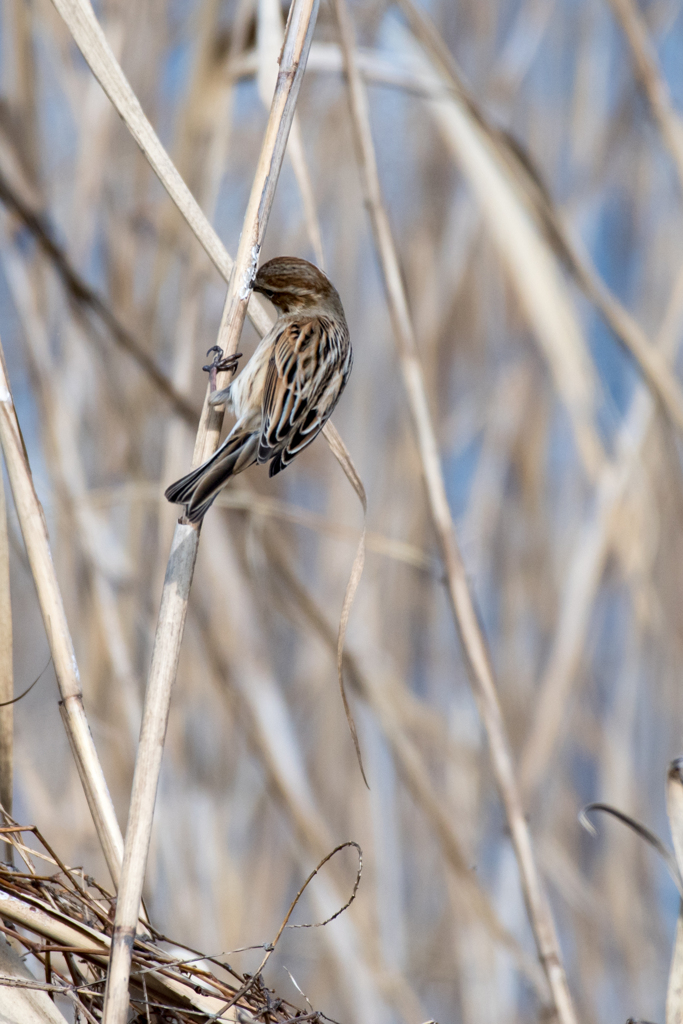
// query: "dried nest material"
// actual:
[[65, 919]]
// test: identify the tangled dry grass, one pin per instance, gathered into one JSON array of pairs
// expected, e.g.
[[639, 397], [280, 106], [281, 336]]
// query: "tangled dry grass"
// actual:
[[61, 923]]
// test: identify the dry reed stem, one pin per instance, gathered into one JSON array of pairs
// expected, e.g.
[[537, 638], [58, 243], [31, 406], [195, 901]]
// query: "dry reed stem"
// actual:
[[342, 456], [107, 560], [270, 30], [175, 594], [372, 64], [674, 806], [525, 251], [653, 84], [381, 693], [89, 37], [81, 292], [23, 999], [241, 499], [586, 565], [6, 668], [536, 199], [264, 716], [474, 645], [34, 531], [39, 915]]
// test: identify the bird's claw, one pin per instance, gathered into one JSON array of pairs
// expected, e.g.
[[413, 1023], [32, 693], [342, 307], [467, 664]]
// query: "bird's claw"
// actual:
[[220, 364], [218, 356]]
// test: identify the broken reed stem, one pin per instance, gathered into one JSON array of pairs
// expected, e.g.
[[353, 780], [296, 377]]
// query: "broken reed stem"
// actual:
[[6, 669], [166, 651], [474, 645], [34, 531]]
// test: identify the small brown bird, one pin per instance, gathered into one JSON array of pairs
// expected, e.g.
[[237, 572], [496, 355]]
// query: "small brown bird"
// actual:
[[288, 389]]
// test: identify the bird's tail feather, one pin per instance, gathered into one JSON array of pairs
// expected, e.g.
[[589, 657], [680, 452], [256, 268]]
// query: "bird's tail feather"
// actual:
[[199, 488]]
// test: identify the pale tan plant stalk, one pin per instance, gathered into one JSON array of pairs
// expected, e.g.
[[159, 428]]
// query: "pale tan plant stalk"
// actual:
[[19, 998], [653, 83], [87, 33], [373, 65], [90, 38], [269, 44], [374, 685], [532, 195], [34, 530], [474, 644], [21, 201], [101, 551], [207, 175], [40, 917], [264, 715], [528, 257], [172, 612], [674, 807], [586, 565], [6, 670]]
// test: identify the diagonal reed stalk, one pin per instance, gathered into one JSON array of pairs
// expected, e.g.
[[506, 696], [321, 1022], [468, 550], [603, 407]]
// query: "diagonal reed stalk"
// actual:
[[90, 38], [536, 199], [34, 531], [172, 612], [474, 644], [651, 79], [587, 561]]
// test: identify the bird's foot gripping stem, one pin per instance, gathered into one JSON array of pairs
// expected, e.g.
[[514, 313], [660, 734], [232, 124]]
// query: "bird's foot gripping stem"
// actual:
[[219, 363]]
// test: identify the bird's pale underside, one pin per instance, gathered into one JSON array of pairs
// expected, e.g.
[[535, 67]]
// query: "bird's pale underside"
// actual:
[[287, 391]]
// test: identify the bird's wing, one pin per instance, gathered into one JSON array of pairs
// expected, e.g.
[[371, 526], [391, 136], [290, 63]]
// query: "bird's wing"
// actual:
[[300, 390]]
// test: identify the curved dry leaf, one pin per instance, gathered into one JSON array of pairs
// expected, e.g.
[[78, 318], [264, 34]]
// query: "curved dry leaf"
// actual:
[[341, 454], [640, 830]]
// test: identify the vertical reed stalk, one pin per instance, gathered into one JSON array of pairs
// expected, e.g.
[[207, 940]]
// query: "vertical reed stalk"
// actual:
[[165, 654], [474, 644], [34, 530], [674, 807], [6, 670]]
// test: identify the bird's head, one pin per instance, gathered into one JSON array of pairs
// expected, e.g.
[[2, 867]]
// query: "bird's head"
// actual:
[[294, 284]]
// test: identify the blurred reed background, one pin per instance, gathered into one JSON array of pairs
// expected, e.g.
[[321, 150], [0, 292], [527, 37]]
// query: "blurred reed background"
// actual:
[[563, 476]]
